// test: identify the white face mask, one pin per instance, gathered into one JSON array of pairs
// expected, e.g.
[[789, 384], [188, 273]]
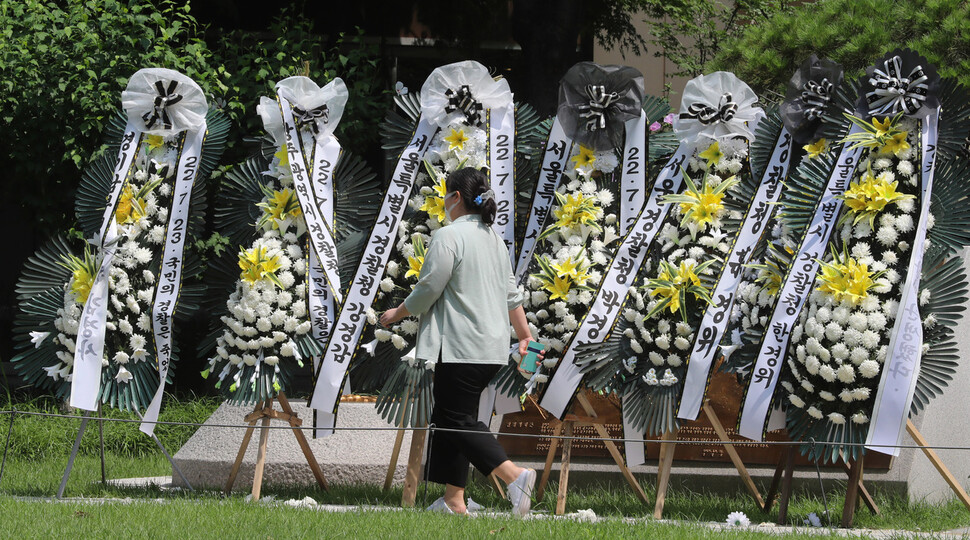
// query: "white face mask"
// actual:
[[448, 208]]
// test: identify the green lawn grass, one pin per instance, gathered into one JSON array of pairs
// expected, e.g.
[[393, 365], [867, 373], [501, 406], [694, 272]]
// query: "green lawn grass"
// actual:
[[39, 449]]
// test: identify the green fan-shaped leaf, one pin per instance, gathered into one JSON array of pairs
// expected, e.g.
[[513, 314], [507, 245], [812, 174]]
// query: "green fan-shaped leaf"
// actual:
[[406, 398], [803, 190], [43, 269], [765, 139], [399, 124], [656, 108], [954, 117], [951, 194]]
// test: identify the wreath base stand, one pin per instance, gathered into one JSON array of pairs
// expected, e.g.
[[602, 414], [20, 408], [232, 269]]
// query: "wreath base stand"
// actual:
[[565, 429], [104, 474], [855, 490], [264, 411], [668, 448]]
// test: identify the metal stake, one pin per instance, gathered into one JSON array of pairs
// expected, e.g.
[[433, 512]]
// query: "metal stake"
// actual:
[[170, 460], [70, 460]]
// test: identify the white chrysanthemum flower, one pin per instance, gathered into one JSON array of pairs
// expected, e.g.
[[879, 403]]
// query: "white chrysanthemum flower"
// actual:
[[924, 297], [796, 401], [381, 334], [869, 369], [858, 321], [826, 395], [121, 357], [827, 373], [823, 315], [859, 418], [398, 342], [808, 386], [836, 418], [833, 331], [681, 343], [861, 394], [852, 337], [846, 373], [662, 341], [814, 413]]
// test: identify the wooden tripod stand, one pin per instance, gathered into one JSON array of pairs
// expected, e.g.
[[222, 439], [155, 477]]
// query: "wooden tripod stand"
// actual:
[[264, 411]]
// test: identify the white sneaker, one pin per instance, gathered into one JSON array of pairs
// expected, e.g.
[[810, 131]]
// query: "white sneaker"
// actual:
[[440, 506], [520, 492]]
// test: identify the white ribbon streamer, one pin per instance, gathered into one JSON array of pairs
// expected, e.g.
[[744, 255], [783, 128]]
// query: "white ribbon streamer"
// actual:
[[350, 323], [130, 142], [897, 384], [321, 237], [89, 349], [634, 179], [170, 273], [716, 316], [501, 171], [617, 280], [553, 165], [793, 293]]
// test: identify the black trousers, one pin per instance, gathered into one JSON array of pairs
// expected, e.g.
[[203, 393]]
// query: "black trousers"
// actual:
[[457, 391]]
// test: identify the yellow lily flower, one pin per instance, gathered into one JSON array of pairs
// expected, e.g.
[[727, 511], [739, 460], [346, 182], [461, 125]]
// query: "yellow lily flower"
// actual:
[[868, 197], [457, 139], [435, 206], [416, 261], [130, 208], [584, 158], [712, 155], [884, 127], [255, 265], [281, 205], [816, 148], [896, 144], [845, 279], [558, 288], [154, 142], [283, 156]]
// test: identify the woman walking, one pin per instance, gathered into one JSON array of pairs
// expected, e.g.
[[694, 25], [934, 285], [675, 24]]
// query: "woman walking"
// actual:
[[466, 297]]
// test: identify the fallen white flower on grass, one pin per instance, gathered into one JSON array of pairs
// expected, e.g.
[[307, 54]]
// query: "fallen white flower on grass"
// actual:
[[587, 515], [813, 520], [738, 519], [305, 502]]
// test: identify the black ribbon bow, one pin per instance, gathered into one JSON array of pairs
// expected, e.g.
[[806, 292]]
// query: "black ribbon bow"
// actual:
[[816, 96], [893, 92], [465, 102], [809, 93], [596, 101], [707, 115], [166, 96], [599, 102], [309, 117]]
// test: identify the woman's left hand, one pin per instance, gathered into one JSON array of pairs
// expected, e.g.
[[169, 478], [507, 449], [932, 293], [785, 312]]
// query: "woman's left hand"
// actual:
[[393, 315]]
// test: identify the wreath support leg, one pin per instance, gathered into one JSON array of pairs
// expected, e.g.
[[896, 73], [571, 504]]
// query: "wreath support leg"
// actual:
[[852, 490], [74, 449], [665, 462], [864, 494], [567, 449], [413, 475], [611, 447], [733, 454], [786, 465], [264, 411], [938, 463], [395, 454], [550, 457]]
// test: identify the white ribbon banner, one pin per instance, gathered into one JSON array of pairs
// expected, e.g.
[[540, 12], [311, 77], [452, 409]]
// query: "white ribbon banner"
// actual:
[[130, 142], [633, 181], [89, 349], [321, 237], [897, 384], [501, 171], [617, 281], [553, 164], [795, 290], [350, 323], [170, 273], [716, 316]]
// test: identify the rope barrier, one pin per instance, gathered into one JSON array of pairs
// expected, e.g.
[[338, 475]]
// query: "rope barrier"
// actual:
[[521, 435]]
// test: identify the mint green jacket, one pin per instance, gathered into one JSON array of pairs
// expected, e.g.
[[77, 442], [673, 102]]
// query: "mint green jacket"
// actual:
[[464, 293]]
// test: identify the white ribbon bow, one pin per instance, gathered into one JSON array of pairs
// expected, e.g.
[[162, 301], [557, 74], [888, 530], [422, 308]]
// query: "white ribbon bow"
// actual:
[[319, 109], [462, 91], [716, 107], [164, 102]]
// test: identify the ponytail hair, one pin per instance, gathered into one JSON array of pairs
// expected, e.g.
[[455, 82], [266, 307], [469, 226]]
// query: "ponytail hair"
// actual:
[[472, 186]]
